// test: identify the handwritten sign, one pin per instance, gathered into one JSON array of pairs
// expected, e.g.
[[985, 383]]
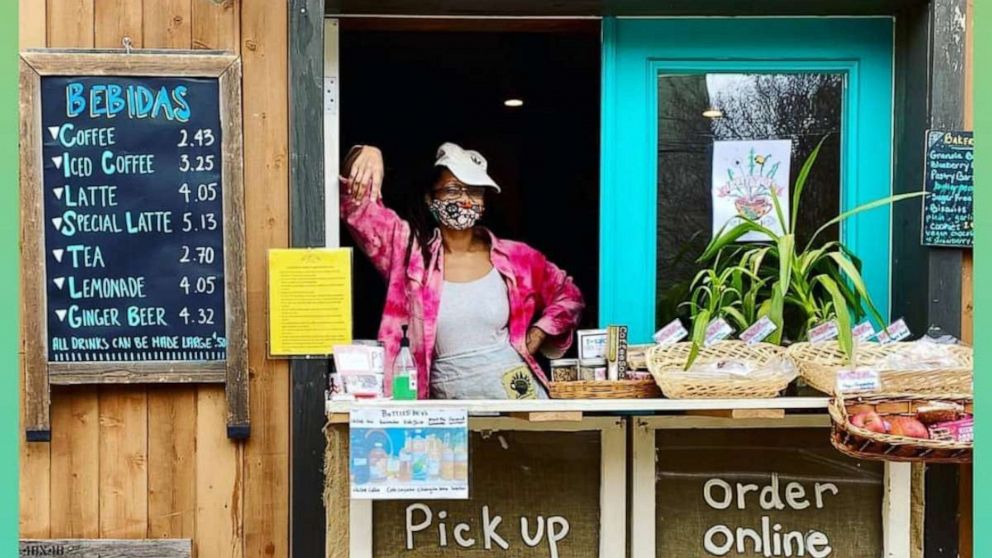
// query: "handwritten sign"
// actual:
[[717, 330], [134, 219], [948, 209], [823, 332], [402, 454], [672, 333], [309, 300], [862, 380], [758, 331], [748, 492]]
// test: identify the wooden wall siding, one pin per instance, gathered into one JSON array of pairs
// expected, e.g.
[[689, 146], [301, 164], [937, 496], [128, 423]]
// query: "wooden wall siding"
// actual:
[[155, 462]]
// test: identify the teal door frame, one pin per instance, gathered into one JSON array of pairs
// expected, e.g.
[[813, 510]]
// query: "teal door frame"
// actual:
[[636, 50]]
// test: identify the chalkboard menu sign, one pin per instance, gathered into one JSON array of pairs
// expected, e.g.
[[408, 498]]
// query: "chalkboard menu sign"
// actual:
[[948, 208], [133, 220], [134, 230]]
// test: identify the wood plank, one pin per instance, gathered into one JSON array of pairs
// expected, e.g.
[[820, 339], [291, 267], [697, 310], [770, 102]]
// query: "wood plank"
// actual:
[[167, 23], [265, 86], [75, 485], [63, 373], [70, 23], [32, 24], [106, 548], [172, 420], [307, 218], [123, 462], [216, 25], [116, 19], [219, 462], [234, 254], [741, 413], [138, 63], [549, 416], [33, 306], [474, 406]]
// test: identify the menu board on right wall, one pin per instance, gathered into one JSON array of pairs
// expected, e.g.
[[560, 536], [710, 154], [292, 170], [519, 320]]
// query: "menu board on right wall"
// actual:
[[948, 208]]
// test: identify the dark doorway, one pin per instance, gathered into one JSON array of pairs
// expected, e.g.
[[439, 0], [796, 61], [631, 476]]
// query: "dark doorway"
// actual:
[[409, 85]]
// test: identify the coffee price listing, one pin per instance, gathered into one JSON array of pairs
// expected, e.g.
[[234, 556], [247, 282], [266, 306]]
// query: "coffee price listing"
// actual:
[[133, 228]]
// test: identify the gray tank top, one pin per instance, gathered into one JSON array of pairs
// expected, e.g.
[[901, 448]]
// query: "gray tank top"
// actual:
[[473, 315]]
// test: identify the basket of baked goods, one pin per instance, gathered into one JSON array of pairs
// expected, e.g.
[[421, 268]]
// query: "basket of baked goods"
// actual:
[[936, 428], [722, 370], [923, 366]]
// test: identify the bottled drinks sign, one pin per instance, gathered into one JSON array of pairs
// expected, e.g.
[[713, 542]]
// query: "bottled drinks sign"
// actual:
[[400, 454], [949, 207]]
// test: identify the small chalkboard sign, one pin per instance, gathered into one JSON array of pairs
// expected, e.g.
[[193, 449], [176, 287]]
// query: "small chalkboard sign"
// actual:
[[948, 209], [133, 234]]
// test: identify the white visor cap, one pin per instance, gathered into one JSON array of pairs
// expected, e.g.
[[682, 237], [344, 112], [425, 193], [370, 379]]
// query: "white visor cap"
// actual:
[[468, 166]]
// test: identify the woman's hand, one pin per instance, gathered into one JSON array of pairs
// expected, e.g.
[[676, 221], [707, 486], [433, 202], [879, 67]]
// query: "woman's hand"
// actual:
[[535, 338], [365, 173]]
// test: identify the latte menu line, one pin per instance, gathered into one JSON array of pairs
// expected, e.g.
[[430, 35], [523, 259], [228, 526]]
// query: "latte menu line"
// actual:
[[133, 225]]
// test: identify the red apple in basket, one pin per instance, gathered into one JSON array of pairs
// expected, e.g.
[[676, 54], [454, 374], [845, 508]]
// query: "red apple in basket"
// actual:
[[870, 420], [909, 426]]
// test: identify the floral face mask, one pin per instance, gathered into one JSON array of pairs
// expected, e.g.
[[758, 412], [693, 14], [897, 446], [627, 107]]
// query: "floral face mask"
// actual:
[[455, 214]]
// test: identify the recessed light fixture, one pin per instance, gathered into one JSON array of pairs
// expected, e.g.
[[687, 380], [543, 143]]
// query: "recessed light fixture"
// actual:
[[514, 102], [713, 113]]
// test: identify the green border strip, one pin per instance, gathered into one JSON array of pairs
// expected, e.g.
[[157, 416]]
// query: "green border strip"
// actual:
[[983, 274], [9, 292]]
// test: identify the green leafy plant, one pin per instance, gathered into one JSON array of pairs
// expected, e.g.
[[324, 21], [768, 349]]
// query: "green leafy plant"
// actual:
[[797, 288]]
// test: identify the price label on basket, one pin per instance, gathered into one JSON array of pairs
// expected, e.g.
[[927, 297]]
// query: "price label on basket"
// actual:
[[862, 380], [897, 331], [863, 331], [671, 333], [824, 332], [758, 331], [717, 330]]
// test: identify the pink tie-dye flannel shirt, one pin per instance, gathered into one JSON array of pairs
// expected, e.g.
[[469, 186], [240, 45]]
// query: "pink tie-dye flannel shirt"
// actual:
[[540, 293]]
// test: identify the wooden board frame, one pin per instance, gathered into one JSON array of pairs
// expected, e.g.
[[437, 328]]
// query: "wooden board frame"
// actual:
[[896, 491], [612, 491], [109, 548], [39, 372]]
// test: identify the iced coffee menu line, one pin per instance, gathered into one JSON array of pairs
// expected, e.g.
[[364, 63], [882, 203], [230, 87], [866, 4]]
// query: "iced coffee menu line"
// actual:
[[133, 219]]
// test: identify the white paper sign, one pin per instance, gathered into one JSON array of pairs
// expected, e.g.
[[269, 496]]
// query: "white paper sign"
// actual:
[[758, 331], [824, 332], [717, 330], [745, 176], [863, 331], [862, 380], [671, 333], [897, 331], [407, 453]]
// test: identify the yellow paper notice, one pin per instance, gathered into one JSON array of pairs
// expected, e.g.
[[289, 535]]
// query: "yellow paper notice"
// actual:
[[309, 300]]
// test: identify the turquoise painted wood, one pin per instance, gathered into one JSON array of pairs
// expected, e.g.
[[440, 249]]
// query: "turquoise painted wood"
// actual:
[[636, 50]]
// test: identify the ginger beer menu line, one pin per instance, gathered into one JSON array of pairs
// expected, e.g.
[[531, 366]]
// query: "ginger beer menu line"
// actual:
[[133, 227]]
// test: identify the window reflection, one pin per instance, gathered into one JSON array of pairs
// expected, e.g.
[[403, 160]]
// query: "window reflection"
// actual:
[[696, 110]]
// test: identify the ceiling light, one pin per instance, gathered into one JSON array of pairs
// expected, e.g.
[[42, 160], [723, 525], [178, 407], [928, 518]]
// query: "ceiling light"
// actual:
[[713, 113], [514, 102]]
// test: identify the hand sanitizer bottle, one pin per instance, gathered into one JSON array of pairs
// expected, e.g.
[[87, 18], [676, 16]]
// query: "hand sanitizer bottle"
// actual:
[[404, 372]]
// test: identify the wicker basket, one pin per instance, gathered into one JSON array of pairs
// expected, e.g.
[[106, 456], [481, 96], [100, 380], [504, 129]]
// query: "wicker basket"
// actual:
[[865, 444], [602, 389], [819, 363], [667, 364]]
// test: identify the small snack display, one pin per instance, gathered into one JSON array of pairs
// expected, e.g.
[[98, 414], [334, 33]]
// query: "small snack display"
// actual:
[[932, 428], [727, 369], [358, 370], [565, 370]]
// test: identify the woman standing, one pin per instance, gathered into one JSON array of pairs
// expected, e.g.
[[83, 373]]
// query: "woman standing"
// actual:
[[477, 307]]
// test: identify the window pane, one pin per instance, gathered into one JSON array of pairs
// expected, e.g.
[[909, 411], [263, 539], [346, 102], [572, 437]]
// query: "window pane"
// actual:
[[696, 110]]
